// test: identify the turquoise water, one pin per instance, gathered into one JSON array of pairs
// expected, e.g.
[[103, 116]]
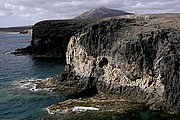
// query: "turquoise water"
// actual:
[[16, 100]]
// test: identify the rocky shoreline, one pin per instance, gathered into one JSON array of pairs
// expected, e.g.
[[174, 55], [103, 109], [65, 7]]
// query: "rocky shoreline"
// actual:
[[97, 106], [100, 103], [111, 57], [133, 60]]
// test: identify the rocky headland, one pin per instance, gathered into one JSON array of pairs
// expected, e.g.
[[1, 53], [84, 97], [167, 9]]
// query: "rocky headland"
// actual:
[[134, 58], [122, 64], [50, 38]]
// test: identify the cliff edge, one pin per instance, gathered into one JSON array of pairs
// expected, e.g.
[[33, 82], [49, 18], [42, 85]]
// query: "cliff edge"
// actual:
[[135, 57], [50, 38]]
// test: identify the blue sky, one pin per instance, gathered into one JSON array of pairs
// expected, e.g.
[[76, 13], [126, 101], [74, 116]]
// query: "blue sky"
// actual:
[[28, 12]]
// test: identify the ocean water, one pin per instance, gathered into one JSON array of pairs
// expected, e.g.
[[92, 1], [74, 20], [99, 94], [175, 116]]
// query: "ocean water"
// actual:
[[17, 74]]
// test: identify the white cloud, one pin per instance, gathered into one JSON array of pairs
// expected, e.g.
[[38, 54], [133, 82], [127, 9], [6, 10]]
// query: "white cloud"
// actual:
[[20, 12]]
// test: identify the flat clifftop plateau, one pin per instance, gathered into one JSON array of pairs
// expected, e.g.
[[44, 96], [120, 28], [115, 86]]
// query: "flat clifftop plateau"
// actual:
[[20, 30], [50, 38], [135, 57]]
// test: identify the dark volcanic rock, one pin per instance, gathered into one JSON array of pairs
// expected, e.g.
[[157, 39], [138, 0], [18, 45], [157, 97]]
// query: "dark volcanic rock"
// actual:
[[50, 38], [135, 57]]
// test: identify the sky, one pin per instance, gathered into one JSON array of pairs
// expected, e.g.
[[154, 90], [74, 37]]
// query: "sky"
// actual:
[[29, 12]]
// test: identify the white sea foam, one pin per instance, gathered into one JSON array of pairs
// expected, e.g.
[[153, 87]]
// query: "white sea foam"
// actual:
[[56, 111], [34, 88], [83, 109], [7, 53], [31, 84], [49, 111]]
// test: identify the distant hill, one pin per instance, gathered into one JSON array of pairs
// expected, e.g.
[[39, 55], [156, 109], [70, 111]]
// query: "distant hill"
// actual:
[[101, 12]]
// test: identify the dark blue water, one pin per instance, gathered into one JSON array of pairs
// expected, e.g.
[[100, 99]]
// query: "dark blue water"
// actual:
[[17, 102]]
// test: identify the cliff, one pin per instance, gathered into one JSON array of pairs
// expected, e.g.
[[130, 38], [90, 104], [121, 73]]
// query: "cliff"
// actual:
[[50, 38], [135, 57]]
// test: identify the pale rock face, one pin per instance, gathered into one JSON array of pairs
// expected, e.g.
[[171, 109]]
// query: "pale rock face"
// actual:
[[83, 65], [131, 58], [77, 57]]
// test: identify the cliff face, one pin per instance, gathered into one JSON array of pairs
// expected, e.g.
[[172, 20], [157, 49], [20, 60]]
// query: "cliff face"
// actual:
[[50, 38], [135, 57]]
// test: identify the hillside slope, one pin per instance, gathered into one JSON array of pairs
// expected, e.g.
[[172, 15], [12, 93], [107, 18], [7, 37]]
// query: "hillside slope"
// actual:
[[101, 12]]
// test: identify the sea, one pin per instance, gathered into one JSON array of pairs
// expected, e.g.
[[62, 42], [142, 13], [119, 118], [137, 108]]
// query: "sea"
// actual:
[[17, 76]]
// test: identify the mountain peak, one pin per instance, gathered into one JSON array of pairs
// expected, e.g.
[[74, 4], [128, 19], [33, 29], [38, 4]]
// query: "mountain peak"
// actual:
[[101, 12], [100, 8]]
